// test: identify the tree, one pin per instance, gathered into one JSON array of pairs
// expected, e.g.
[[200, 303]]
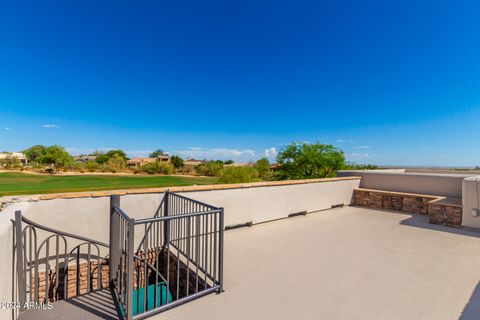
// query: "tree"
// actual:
[[157, 168], [210, 168], [176, 161], [315, 160], [263, 167], [229, 162], [92, 166], [56, 156], [34, 154], [239, 175], [116, 163], [157, 153], [104, 157]]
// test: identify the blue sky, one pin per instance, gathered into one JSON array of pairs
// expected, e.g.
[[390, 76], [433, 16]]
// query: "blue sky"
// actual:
[[389, 82]]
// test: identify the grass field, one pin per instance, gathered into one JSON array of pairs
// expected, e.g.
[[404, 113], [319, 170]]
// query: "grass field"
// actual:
[[13, 183]]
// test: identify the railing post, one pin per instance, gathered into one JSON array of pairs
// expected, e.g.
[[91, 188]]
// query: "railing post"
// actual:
[[130, 262], [113, 243], [22, 295], [166, 225], [220, 251]]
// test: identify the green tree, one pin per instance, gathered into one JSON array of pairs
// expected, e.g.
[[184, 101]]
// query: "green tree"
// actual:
[[92, 166], [56, 156], [34, 154], [239, 175], [157, 168], [176, 161], [157, 153], [309, 160], [229, 162], [263, 167], [103, 158], [116, 163], [210, 168]]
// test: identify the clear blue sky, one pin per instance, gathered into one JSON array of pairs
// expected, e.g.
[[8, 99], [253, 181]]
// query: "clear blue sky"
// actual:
[[389, 82]]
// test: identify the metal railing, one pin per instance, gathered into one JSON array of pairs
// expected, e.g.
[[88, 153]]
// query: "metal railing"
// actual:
[[179, 254], [50, 264], [122, 237], [179, 257]]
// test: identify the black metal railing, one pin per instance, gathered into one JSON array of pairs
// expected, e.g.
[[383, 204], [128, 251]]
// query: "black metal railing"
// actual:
[[122, 237], [179, 255], [52, 265], [153, 264]]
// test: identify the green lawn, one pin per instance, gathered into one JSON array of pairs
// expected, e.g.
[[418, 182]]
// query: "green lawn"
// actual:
[[13, 183]]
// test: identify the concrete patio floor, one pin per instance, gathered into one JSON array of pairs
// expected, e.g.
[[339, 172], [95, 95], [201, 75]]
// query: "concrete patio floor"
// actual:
[[346, 263]]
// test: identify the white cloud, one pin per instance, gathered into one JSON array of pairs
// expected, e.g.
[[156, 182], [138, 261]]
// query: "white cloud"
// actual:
[[270, 152], [340, 141], [362, 147], [50, 126], [7, 128], [217, 153]]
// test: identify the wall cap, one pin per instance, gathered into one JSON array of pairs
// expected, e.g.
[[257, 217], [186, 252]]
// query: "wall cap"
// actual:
[[106, 193]]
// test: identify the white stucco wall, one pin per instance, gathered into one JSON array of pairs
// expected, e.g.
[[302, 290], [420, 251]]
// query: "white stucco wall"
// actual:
[[89, 216], [6, 254], [449, 185], [470, 200]]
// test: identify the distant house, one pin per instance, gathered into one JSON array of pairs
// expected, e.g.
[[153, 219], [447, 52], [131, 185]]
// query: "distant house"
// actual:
[[193, 162], [11, 155], [138, 162], [84, 158], [163, 158]]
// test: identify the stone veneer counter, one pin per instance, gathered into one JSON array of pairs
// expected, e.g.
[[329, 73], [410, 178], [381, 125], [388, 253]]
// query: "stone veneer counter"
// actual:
[[439, 209]]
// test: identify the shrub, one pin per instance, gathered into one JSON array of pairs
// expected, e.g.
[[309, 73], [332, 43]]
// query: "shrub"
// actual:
[[239, 175], [210, 168], [92, 166], [77, 166], [177, 162], [10, 163], [187, 169], [355, 166], [104, 157], [263, 168], [157, 168], [115, 164]]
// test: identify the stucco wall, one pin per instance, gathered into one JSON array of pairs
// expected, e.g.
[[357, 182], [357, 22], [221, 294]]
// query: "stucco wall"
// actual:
[[449, 185], [6, 254], [89, 216], [471, 198]]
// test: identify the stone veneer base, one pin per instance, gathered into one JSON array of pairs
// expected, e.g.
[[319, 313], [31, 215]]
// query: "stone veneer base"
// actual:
[[438, 213]]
